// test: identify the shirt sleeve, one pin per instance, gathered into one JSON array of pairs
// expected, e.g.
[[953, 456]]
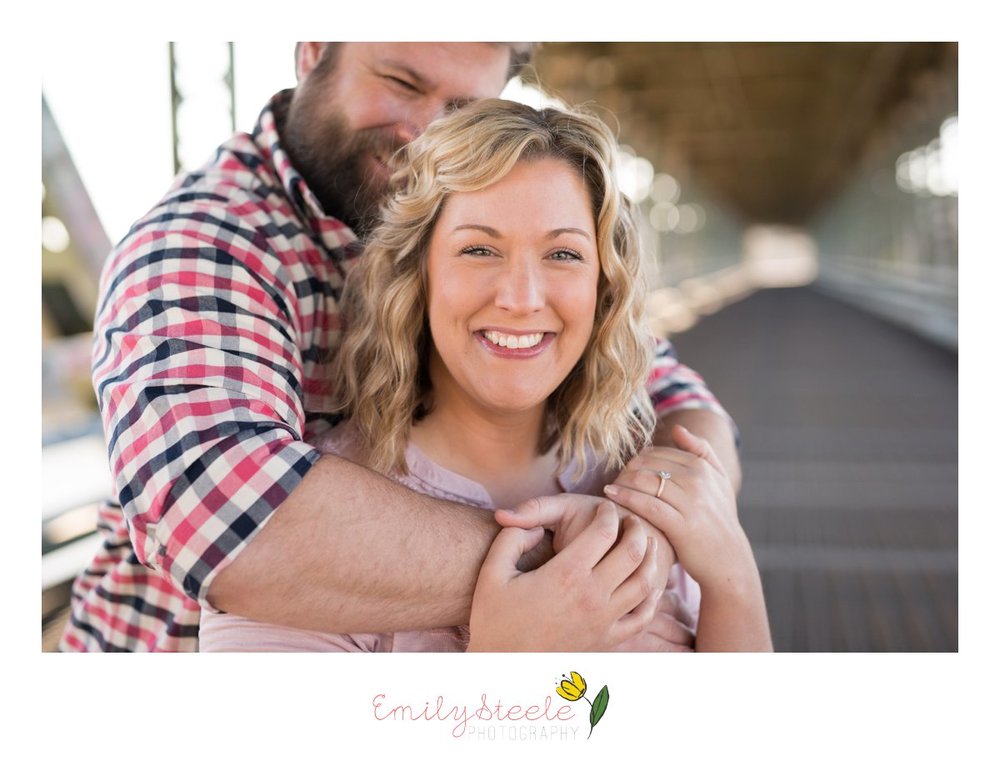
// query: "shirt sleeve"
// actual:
[[198, 375], [673, 386]]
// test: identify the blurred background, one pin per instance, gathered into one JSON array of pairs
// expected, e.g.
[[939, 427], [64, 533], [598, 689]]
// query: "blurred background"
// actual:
[[799, 209]]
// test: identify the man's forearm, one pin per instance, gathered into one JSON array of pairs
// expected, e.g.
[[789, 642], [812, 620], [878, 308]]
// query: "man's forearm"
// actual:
[[352, 551], [709, 425]]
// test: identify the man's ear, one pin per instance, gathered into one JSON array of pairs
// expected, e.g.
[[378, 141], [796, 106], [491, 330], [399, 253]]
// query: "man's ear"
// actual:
[[307, 55]]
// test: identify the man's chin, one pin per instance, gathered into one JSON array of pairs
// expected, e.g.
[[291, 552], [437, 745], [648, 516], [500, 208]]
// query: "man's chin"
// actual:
[[350, 190]]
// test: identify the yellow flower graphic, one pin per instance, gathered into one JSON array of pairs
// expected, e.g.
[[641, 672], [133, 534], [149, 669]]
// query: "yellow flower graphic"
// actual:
[[572, 690], [575, 687]]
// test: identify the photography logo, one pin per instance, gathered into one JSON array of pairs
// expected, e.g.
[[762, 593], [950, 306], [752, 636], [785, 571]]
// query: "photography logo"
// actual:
[[575, 687], [507, 717]]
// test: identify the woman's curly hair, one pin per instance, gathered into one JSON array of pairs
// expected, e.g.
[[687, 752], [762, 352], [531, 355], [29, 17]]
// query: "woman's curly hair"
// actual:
[[380, 368]]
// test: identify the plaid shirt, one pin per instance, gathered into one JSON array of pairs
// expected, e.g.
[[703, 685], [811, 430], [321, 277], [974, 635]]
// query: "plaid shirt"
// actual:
[[216, 314]]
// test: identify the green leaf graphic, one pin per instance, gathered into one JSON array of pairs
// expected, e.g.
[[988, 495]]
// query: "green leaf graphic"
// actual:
[[598, 707]]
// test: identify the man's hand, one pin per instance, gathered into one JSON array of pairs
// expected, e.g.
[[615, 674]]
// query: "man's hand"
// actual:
[[595, 594]]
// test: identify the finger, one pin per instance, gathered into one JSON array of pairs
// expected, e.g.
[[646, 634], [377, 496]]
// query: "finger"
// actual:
[[696, 445], [508, 547], [660, 458], [633, 624], [668, 629], [646, 642], [627, 555], [664, 515], [639, 585], [673, 605], [650, 482], [537, 511], [590, 545]]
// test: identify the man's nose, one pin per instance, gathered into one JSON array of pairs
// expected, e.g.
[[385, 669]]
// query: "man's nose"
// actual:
[[521, 288], [418, 117]]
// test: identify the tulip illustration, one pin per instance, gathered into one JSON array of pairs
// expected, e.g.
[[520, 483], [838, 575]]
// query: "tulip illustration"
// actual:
[[572, 690], [575, 687]]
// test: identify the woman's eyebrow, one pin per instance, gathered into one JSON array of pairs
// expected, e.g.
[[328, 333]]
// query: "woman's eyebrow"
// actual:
[[575, 230], [494, 233], [482, 228]]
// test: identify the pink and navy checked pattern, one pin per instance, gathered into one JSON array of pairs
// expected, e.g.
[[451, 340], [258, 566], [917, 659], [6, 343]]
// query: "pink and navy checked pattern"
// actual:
[[217, 312]]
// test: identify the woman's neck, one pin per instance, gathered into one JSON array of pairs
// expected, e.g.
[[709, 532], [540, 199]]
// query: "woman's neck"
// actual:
[[498, 450]]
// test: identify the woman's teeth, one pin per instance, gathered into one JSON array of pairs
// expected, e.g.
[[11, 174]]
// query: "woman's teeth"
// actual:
[[513, 342]]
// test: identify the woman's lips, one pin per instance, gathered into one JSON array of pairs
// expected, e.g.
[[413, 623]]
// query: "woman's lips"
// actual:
[[514, 352]]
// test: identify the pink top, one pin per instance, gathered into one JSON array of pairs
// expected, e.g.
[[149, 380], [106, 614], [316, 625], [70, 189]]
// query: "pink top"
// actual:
[[231, 633]]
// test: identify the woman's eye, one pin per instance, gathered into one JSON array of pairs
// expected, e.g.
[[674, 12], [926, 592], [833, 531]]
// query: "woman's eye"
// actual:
[[566, 255], [477, 251]]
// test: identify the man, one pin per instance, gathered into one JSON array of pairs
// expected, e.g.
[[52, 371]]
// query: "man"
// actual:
[[217, 313]]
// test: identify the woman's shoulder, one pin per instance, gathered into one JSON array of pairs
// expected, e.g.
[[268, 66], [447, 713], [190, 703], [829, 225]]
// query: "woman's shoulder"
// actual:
[[342, 440]]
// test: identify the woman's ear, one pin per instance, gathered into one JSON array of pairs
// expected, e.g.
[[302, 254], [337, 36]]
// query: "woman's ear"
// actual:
[[307, 55]]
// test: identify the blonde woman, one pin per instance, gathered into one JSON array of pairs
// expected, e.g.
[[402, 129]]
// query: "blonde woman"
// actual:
[[494, 352]]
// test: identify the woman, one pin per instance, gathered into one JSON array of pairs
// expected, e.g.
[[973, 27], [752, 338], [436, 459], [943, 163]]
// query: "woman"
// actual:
[[494, 352]]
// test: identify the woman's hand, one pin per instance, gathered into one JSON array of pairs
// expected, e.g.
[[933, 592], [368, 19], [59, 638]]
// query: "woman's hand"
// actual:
[[596, 593], [694, 506], [685, 492]]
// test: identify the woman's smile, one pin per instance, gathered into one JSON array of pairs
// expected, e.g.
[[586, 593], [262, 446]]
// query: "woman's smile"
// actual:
[[515, 345], [512, 273]]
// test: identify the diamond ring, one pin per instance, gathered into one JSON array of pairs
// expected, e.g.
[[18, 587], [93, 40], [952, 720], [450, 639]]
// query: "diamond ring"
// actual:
[[664, 477]]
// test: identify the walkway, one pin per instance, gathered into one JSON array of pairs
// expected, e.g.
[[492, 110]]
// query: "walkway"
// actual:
[[850, 458]]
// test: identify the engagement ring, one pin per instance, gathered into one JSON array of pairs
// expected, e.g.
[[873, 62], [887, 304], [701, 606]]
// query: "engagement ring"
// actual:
[[664, 477]]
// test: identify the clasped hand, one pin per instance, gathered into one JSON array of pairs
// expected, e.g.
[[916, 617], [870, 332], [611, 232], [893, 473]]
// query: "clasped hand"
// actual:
[[602, 591], [596, 592]]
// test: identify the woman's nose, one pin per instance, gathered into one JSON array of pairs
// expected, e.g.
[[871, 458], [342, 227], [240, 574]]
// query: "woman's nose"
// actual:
[[521, 289]]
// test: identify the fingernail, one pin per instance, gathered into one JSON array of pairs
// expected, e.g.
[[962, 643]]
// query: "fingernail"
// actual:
[[612, 490]]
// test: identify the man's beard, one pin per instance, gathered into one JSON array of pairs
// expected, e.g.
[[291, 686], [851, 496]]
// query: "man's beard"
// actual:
[[329, 156]]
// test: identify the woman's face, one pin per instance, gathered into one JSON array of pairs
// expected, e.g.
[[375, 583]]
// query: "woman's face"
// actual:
[[512, 274]]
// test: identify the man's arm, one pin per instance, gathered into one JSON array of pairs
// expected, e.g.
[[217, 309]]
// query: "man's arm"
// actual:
[[350, 550], [199, 368]]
